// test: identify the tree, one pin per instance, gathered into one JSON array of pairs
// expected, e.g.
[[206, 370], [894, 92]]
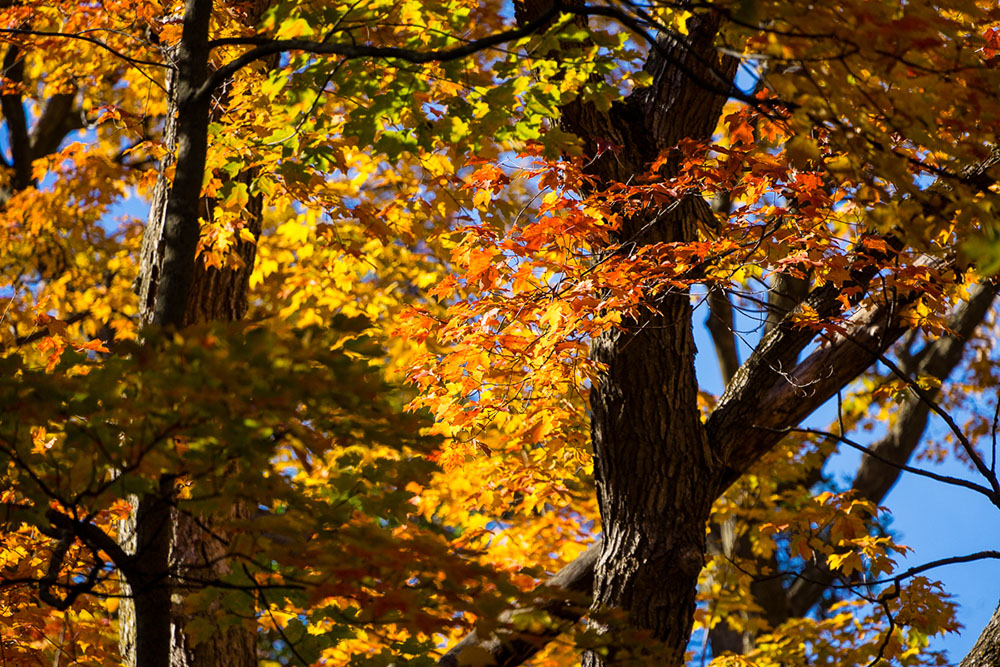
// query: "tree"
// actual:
[[516, 220]]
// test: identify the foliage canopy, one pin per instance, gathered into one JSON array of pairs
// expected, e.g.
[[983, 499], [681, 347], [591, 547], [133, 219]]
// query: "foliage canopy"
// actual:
[[425, 332]]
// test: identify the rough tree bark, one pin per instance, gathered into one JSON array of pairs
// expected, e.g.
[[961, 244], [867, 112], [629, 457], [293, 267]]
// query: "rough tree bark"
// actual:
[[175, 291], [644, 412], [986, 652], [878, 471]]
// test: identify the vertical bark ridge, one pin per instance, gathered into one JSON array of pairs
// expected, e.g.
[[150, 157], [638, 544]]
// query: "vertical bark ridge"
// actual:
[[178, 289], [986, 652], [655, 474], [653, 468]]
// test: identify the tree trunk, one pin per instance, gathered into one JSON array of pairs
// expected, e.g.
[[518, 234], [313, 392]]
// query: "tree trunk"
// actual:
[[986, 652], [657, 467], [656, 476], [655, 473], [645, 418], [177, 290]]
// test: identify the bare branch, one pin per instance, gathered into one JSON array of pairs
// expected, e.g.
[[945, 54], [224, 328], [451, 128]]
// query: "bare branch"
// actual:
[[874, 479], [506, 648], [883, 461], [720, 326], [17, 124], [928, 398], [27, 32], [946, 479]]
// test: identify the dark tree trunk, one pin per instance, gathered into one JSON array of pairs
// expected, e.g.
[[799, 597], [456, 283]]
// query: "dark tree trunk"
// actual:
[[986, 652], [176, 290], [656, 475], [658, 468]]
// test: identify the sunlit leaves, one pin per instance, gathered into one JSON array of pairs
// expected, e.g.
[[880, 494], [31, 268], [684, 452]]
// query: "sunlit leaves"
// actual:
[[316, 441], [443, 211]]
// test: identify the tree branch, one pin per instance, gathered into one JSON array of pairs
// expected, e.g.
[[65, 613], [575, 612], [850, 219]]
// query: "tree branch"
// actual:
[[770, 377], [785, 295], [58, 119], [506, 648], [720, 326], [721, 84], [874, 479], [352, 51], [27, 32], [794, 393], [902, 467], [56, 524], [93, 536], [885, 460], [17, 125], [927, 398]]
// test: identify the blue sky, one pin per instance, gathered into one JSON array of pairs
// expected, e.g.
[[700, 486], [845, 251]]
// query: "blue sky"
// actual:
[[936, 520]]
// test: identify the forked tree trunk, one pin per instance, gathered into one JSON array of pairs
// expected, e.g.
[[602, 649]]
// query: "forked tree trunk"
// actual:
[[656, 476], [657, 467], [173, 545]]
